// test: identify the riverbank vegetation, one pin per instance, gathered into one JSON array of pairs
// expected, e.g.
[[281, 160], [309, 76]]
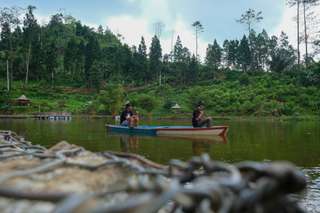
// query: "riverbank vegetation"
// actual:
[[234, 94], [67, 66]]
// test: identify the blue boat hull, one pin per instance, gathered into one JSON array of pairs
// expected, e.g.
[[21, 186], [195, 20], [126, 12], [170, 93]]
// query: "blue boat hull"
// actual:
[[141, 130]]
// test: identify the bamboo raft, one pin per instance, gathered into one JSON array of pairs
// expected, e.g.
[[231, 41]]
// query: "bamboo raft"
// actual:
[[68, 178]]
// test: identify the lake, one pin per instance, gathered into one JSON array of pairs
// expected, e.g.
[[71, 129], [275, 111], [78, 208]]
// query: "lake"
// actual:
[[266, 140]]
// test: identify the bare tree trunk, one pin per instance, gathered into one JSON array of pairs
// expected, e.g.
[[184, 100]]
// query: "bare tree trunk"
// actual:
[[8, 76], [197, 43], [172, 45], [298, 30], [28, 63], [305, 33], [52, 78]]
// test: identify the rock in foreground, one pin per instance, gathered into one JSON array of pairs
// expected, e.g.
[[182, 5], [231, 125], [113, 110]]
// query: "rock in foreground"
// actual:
[[68, 178]]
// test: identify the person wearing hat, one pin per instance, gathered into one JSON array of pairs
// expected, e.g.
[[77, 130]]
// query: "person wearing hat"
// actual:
[[128, 117], [198, 119]]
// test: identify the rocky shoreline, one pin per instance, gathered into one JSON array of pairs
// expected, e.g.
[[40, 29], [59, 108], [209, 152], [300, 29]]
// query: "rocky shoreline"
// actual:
[[68, 178]]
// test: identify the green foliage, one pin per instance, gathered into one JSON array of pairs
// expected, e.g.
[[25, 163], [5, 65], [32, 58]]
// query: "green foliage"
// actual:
[[311, 76], [256, 75], [168, 104], [244, 54], [147, 102], [155, 56], [244, 79], [214, 55], [67, 53], [282, 56], [4, 100], [111, 99]]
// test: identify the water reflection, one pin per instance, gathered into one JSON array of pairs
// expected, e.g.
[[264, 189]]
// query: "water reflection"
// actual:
[[130, 143], [297, 142], [198, 148]]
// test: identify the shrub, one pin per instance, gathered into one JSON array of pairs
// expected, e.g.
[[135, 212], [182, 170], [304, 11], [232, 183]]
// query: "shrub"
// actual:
[[168, 104], [112, 97], [244, 79], [4, 100], [147, 102]]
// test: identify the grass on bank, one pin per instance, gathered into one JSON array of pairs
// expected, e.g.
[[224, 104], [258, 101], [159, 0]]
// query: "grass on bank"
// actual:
[[264, 95]]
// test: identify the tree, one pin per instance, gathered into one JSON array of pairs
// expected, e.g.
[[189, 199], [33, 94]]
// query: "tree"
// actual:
[[74, 60], [249, 18], [291, 4], [258, 44], [96, 73], [198, 29], [9, 20], [193, 70], [30, 31], [6, 49], [142, 60], [178, 51], [92, 52], [214, 56], [230, 49], [262, 50], [282, 57], [50, 60], [147, 103], [111, 98], [181, 59], [100, 30], [244, 54], [155, 56], [307, 5]]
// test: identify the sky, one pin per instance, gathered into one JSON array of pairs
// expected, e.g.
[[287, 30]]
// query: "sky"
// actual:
[[136, 18]]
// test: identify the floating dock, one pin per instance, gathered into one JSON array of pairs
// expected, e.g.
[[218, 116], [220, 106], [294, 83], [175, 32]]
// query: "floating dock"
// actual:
[[53, 116]]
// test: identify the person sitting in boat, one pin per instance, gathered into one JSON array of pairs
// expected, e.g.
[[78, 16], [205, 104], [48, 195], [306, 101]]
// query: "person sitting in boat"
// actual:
[[134, 121], [198, 119], [128, 117]]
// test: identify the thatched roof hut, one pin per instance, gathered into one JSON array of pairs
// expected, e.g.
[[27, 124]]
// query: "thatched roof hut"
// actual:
[[23, 100], [176, 106]]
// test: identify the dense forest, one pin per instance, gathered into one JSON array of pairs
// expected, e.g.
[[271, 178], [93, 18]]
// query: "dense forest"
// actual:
[[64, 52]]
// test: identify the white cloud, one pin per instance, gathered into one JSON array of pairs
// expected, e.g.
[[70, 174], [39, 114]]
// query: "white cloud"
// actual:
[[288, 25], [133, 27], [42, 19]]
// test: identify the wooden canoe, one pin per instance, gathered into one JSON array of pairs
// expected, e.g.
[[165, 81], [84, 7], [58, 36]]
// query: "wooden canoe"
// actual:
[[170, 130]]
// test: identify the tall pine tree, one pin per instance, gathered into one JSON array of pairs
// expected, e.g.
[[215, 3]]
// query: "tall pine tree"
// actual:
[[214, 56], [142, 61], [155, 56], [244, 54]]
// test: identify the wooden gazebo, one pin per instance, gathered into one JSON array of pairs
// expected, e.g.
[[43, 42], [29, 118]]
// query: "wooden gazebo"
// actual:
[[23, 100], [176, 108]]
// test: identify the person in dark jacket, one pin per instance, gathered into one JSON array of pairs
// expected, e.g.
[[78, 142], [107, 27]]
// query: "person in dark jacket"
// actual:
[[125, 115], [198, 118], [128, 117]]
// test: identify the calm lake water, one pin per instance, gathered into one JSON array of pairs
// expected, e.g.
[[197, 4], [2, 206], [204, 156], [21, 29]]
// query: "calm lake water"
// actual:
[[298, 142]]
